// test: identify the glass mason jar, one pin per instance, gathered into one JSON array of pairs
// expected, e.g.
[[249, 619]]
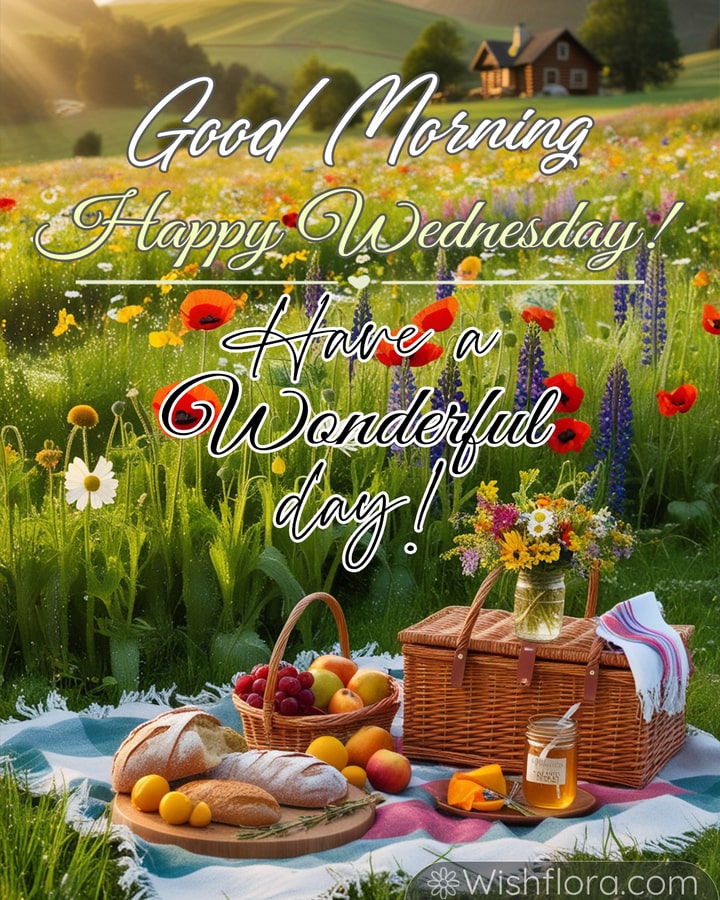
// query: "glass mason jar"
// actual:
[[550, 773], [539, 604]]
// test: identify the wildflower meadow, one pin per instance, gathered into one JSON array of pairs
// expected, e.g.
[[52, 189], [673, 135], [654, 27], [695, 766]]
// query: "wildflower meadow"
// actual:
[[148, 531]]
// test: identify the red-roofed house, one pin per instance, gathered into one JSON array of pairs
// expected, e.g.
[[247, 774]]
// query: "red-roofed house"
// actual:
[[531, 64]]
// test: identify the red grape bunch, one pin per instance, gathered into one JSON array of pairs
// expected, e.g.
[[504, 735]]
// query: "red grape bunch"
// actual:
[[293, 694]]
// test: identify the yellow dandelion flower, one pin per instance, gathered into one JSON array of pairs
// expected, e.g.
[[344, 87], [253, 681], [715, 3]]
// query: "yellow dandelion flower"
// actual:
[[11, 455], [544, 552], [166, 288], [191, 269], [83, 416], [166, 338], [65, 321], [469, 268], [129, 312]]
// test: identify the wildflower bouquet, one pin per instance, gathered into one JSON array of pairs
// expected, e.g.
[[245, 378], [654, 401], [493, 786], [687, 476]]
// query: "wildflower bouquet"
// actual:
[[543, 530]]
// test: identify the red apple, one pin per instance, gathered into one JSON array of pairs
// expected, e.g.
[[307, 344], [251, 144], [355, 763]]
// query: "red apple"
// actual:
[[388, 771]]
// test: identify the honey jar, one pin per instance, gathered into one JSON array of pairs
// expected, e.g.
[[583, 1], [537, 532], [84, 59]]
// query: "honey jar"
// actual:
[[550, 773]]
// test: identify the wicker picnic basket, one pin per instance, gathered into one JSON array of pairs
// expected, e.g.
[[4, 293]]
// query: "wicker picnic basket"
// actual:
[[265, 729], [470, 687]]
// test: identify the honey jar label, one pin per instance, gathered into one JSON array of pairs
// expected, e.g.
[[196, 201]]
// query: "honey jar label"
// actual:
[[546, 771]]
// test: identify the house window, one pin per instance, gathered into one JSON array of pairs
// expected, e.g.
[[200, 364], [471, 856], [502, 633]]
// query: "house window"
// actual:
[[578, 79], [563, 50], [551, 76]]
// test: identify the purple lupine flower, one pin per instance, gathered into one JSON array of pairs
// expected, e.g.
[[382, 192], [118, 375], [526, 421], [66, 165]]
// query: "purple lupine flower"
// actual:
[[531, 371], [443, 274], [615, 435], [636, 299], [449, 387], [402, 390], [361, 317], [621, 295], [313, 292], [654, 307]]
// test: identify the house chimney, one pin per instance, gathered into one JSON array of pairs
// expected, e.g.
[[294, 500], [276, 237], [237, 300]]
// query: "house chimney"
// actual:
[[520, 38]]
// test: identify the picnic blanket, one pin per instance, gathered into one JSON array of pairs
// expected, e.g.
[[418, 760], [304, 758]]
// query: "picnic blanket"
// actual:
[[53, 746]]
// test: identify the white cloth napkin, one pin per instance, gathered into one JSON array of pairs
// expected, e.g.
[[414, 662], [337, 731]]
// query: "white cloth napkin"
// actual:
[[655, 652]]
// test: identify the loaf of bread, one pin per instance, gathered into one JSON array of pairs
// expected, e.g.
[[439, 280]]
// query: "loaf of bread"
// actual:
[[294, 779], [177, 744], [234, 803]]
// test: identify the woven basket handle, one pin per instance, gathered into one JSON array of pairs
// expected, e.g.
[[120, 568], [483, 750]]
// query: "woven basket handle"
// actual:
[[460, 657], [463, 641], [281, 643]]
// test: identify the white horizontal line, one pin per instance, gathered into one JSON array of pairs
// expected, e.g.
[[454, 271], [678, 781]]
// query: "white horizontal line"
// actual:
[[461, 284], [171, 281], [465, 284]]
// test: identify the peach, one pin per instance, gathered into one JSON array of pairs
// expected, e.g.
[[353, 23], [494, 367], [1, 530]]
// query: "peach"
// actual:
[[370, 684], [366, 740], [388, 771], [344, 701], [343, 667]]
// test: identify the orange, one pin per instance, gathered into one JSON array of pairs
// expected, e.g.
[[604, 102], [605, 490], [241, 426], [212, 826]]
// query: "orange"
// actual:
[[148, 791], [330, 750], [175, 808], [343, 667], [201, 815], [366, 740], [355, 775]]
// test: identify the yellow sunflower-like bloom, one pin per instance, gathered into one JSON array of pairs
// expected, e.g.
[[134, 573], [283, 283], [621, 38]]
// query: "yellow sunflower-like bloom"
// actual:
[[514, 552]]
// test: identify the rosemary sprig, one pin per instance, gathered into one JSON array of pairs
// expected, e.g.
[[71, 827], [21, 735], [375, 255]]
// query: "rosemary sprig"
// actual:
[[328, 814]]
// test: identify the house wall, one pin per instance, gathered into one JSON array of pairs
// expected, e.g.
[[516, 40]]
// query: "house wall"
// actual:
[[576, 60]]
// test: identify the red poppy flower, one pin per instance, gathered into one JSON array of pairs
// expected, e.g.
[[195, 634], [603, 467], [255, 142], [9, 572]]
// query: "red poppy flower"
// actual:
[[7, 203], [428, 353], [439, 315], [388, 355], [571, 395], [711, 319], [206, 309], [545, 318], [678, 401], [289, 219], [569, 434], [186, 415]]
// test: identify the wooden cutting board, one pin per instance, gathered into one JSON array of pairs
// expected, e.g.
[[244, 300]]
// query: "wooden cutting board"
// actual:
[[222, 840]]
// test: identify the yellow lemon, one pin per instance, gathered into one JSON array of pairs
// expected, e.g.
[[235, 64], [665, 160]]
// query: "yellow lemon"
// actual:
[[201, 815], [175, 808], [330, 750], [355, 775], [148, 791]]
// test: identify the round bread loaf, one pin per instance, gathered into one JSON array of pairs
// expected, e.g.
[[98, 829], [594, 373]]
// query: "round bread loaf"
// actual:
[[177, 744], [234, 803]]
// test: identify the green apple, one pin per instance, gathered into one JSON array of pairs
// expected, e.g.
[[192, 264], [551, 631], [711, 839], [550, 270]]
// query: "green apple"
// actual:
[[324, 685]]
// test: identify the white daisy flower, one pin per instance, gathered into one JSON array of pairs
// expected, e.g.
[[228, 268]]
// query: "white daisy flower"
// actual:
[[98, 486], [540, 522]]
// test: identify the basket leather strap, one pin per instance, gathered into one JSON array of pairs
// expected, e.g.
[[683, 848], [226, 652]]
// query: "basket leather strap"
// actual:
[[461, 648], [592, 670], [526, 664]]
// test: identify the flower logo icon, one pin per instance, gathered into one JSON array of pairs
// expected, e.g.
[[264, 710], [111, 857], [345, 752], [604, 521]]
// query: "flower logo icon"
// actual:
[[442, 883]]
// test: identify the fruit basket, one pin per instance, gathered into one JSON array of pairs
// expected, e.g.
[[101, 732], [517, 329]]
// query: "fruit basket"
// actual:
[[266, 729]]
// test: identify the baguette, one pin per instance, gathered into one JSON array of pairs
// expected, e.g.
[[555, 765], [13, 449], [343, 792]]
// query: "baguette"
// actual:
[[177, 744], [294, 779], [233, 803]]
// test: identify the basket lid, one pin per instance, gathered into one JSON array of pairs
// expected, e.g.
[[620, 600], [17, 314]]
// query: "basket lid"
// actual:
[[493, 633]]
